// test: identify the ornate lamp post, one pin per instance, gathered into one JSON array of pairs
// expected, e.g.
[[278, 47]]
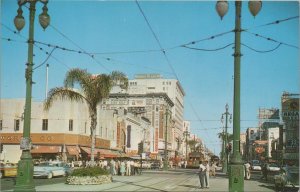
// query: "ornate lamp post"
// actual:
[[186, 135], [24, 180], [225, 152], [236, 169]]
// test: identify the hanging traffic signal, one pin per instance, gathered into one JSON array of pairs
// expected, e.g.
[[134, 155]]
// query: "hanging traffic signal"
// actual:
[[229, 148], [1, 148]]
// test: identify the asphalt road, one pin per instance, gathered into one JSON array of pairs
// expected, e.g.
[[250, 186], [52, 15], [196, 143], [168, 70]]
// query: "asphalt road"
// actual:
[[161, 180]]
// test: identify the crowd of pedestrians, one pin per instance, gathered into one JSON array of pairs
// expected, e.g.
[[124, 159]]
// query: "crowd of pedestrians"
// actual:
[[121, 167]]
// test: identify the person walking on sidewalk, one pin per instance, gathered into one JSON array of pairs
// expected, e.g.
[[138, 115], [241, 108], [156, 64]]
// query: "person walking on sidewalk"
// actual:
[[201, 174], [206, 174]]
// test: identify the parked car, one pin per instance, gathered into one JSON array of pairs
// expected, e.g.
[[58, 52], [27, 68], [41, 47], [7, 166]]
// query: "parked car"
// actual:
[[255, 165], [155, 165], [273, 167], [289, 176], [8, 170], [52, 169]]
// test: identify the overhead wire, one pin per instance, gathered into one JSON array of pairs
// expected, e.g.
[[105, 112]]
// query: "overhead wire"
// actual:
[[274, 22], [40, 48], [201, 49], [69, 39], [157, 40], [270, 39]]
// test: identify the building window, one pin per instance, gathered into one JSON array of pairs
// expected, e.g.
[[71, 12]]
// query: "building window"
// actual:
[[17, 125], [45, 125], [71, 125], [0, 125]]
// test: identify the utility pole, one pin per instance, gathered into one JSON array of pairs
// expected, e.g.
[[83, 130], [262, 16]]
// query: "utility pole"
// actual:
[[186, 134], [225, 139], [24, 178], [166, 143], [236, 168]]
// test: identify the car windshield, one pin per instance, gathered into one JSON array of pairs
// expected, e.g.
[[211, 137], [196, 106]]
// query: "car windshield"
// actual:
[[255, 162], [46, 164], [273, 165]]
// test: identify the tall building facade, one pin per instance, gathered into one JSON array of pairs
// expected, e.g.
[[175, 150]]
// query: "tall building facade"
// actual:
[[153, 106], [144, 84], [290, 118]]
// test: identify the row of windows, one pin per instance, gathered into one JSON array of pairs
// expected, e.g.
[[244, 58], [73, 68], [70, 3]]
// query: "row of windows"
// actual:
[[44, 124]]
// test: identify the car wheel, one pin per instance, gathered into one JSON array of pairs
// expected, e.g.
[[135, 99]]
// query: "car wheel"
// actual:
[[50, 175]]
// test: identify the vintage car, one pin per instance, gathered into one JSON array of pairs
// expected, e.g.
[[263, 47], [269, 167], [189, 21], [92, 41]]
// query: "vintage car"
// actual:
[[273, 167], [289, 176], [255, 165], [51, 169], [8, 170]]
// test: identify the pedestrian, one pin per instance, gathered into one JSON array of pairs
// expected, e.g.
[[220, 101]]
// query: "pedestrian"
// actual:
[[128, 168], [122, 168], [132, 167], [213, 169], [264, 171], [185, 164], [206, 174], [113, 167], [201, 174]]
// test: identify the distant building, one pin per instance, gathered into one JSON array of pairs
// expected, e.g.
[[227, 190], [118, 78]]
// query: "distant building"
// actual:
[[252, 135], [290, 118], [273, 135], [243, 144]]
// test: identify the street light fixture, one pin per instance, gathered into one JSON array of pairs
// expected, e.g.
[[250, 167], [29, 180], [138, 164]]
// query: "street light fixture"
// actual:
[[236, 169], [225, 138], [186, 135], [24, 180]]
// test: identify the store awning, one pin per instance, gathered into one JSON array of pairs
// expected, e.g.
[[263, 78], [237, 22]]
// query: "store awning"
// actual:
[[88, 150], [106, 153], [73, 150], [46, 149]]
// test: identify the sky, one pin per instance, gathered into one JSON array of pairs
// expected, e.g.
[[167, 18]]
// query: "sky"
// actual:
[[116, 36]]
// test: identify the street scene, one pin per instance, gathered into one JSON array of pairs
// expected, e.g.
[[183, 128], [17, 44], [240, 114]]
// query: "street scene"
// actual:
[[149, 180], [149, 95]]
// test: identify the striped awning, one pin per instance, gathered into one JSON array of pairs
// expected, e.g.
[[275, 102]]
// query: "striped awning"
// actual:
[[46, 149], [73, 150], [106, 153]]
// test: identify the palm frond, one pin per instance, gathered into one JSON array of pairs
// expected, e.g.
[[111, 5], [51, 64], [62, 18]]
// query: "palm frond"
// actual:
[[119, 78], [80, 76], [62, 93]]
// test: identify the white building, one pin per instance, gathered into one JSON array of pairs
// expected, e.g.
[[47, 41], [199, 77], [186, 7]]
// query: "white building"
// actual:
[[273, 134], [64, 131]]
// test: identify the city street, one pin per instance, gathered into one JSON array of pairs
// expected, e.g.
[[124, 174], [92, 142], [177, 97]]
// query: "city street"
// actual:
[[172, 180]]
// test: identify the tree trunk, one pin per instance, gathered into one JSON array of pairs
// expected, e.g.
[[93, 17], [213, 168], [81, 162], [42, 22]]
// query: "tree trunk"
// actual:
[[93, 135]]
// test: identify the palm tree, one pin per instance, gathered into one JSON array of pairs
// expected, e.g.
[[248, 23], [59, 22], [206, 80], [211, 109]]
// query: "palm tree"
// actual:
[[222, 136], [94, 88]]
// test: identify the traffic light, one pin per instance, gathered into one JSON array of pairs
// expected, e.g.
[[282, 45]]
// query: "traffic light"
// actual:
[[1, 148], [140, 147]]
